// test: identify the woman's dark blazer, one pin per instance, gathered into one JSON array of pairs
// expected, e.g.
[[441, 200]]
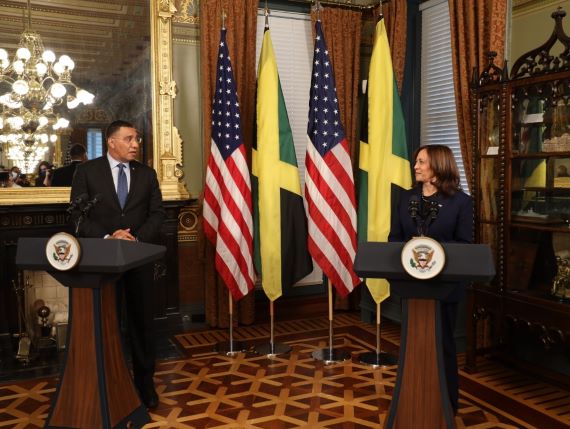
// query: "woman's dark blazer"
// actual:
[[454, 222], [143, 212]]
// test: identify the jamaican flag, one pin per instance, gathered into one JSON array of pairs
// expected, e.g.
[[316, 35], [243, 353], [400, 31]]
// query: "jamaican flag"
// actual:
[[383, 163], [280, 222]]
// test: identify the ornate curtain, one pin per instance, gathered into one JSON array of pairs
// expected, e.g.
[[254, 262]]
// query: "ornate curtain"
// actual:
[[241, 24], [476, 28], [396, 16]]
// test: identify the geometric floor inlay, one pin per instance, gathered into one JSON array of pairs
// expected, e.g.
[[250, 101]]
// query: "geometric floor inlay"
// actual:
[[210, 390]]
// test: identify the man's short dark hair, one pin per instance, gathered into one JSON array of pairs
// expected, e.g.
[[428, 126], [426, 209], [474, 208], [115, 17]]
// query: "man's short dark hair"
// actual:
[[77, 151], [115, 126]]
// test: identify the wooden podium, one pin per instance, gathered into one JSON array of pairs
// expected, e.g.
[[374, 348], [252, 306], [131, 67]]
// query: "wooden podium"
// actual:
[[420, 399], [95, 388]]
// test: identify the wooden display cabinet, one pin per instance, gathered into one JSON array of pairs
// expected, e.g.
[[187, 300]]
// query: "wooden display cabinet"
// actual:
[[521, 186]]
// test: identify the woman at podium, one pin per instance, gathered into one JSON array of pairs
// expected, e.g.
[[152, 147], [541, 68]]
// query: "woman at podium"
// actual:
[[436, 207]]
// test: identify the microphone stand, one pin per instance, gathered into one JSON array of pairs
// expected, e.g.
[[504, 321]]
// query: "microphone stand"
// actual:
[[84, 212], [433, 212], [78, 222]]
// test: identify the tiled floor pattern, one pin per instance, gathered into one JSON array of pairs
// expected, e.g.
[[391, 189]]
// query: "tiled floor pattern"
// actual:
[[210, 390]]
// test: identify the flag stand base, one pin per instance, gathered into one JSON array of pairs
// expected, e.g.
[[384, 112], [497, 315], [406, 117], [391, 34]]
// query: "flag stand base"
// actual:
[[381, 359], [330, 356], [272, 349], [231, 348]]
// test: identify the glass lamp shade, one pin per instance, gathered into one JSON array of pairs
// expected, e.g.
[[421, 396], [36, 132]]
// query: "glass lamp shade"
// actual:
[[23, 54], [41, 69], [85, 97], [72, 102], [57, 90], [42, 121], [58, 68], [48, 56], [19, 66], [20, 87], [3, 54], [66, 62], [16, 122]]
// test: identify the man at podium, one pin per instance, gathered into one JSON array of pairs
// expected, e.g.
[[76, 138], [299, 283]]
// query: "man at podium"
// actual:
[[436, 207], [117, 197]]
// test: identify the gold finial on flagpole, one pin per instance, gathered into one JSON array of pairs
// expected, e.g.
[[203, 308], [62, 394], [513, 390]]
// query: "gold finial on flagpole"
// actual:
[[267, 12], [223, 16], [381, 15], [318, 9]]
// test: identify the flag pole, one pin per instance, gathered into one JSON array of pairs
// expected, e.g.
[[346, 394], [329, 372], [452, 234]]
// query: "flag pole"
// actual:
[[231, 347], [231, 317], [272, 349], [378, 358], [331, 355]]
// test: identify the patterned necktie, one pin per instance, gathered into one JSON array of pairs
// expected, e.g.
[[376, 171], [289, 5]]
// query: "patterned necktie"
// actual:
[[122, 188]]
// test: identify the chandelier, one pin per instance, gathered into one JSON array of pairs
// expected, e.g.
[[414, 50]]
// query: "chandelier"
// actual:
[[35, 89]]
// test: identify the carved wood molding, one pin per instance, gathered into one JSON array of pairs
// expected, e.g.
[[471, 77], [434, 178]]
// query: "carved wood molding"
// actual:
[[167, 145], [548, 336], [540, 61], [189, 220]]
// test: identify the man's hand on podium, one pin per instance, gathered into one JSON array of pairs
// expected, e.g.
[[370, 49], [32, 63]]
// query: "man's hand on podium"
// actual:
[[123, 234]]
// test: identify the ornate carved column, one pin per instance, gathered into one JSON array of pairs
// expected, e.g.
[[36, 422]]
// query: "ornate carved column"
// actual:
[[167, 144]]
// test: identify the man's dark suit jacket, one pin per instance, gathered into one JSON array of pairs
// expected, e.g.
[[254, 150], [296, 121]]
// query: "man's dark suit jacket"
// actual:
[[143, 212], [63, 176]]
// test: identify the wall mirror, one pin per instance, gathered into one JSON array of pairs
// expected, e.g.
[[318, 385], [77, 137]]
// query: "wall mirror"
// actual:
[[121, 52]]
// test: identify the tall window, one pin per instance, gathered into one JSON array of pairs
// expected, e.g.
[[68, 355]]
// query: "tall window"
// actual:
[[94, 143], [438, 123]]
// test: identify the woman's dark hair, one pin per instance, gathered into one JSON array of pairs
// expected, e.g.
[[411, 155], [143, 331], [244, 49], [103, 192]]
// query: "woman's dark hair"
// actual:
[[47, 164], [442, 162]]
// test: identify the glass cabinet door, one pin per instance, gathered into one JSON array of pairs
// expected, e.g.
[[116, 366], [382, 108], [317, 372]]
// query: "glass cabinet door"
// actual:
[[528, 123], [487, 177], [489, 119]]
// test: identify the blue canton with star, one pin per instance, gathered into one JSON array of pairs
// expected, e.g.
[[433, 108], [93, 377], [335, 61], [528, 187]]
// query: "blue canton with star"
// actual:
[[325, 128], [226, 130]]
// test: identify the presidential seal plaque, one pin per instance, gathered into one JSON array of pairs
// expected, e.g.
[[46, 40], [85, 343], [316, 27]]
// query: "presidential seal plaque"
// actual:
[[63, 251], [423, 258]]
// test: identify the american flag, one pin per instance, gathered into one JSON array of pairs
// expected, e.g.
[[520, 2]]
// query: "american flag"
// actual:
[[329, 183], [227, 195]]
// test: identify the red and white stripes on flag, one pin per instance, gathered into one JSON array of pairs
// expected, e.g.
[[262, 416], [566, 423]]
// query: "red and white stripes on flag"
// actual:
[[329, 182], [227, 193]]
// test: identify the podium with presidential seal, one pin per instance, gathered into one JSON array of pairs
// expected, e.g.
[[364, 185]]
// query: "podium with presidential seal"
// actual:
[[95, 388], [423, 272]]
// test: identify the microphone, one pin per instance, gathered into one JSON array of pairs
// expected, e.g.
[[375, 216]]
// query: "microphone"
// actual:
[[414, 206], [90, 204], [76, 203], [433, 209]]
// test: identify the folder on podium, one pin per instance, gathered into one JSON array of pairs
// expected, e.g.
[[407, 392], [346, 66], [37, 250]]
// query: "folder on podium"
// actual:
[[95, 388], [420, 399]]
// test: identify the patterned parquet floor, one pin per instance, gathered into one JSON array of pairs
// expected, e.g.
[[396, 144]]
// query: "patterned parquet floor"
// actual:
[[211, 390]]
